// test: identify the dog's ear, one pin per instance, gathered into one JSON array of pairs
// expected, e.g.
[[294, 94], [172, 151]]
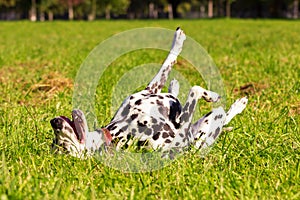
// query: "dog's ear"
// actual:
[[80, 124]]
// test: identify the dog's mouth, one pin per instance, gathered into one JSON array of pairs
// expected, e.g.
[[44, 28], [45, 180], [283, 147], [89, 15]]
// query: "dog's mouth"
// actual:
[[57, 124]]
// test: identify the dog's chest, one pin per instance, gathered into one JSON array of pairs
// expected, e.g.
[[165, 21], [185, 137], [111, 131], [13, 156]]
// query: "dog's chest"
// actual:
[[143, 115]]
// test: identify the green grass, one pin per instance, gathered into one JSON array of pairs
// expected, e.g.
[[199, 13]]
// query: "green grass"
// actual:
[[259, 159]]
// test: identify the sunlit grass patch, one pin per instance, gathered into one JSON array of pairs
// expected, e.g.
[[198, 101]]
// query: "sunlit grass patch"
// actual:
[[259, 159]]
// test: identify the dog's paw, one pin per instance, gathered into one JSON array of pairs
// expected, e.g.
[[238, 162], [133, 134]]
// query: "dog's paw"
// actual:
[[236, 108], [178, 40], [174, 88]]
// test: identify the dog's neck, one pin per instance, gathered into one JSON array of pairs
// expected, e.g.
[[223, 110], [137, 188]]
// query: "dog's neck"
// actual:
[[97, 140]]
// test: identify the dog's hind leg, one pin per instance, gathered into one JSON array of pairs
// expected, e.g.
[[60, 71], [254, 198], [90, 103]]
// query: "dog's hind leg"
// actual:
[[161, 77], [207, 129], [184, 136]]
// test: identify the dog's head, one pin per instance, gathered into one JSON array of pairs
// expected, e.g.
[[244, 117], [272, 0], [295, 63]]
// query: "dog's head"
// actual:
[[70, 135]]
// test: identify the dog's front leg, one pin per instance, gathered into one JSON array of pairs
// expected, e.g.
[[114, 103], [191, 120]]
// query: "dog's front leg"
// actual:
[[161, 77]]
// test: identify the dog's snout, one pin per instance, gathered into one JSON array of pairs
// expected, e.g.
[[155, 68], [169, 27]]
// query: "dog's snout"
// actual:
[[56, 123]]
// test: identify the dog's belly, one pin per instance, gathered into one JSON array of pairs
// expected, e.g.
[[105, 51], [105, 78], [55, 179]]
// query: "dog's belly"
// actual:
[[147, 117]]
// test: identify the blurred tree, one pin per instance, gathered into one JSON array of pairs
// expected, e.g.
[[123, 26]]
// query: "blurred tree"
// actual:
[[228, 8], [50, 7], [174, 5], [295, 9], [183, 8], [69, 4], [7, 3], [32, 11], [210, 8], [113, 6], [93, 9]]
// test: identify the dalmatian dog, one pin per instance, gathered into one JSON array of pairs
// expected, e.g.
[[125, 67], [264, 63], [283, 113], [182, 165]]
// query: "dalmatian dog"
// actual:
[[149, 118]]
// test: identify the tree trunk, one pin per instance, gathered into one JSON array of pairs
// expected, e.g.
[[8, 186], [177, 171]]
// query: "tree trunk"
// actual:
[[170, 11], [92, 15], [107, 12], [202, 11], [50, 16], [228, 8], [32, 12], [42, 16], [210, 8], [70, 10], [152, 11], [295, 9]]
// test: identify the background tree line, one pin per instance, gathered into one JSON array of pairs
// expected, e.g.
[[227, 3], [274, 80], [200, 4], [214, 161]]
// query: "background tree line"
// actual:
[[95, 9]]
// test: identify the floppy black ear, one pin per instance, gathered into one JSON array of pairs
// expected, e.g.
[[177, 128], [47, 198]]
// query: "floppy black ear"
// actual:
[[80, 124]]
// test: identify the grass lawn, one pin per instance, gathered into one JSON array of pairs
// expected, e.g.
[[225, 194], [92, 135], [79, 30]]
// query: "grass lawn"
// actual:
[[259, 159]]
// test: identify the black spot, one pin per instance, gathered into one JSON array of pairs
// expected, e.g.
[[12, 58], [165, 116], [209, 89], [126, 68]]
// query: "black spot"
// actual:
[[140, 123], [181, 135], [142, 128], [118, 133], [110, 126], [186, 105], [138, 102], [163, 110], [154, 86], [154, 121], [192, 94], [169, 130], [184, 117], [128, 137], [160, 97], [201, 133], [125, 111], [133, 131], [148, 131], [159, 103], [168, 141], [192, 106], [124, 128], [162, 119], [205, 93], [156, 128], [177, 144], [133, 116], [175, 111], [202, 143], [218, 117], [156, 136], [132, 97], [217, 131], [165, 135], [208, 114]]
